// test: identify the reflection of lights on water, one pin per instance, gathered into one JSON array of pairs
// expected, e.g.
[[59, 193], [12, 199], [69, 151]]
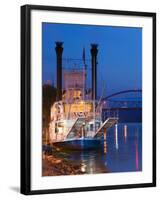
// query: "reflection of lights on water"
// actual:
[[88, 165], [83, 167], [125, 133], [105, 147], [91, 165], [105, 143], [116, 136], [136, 156], [91, 170]]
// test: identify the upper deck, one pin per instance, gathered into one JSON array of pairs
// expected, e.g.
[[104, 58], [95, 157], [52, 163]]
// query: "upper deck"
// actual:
[[64, 110]]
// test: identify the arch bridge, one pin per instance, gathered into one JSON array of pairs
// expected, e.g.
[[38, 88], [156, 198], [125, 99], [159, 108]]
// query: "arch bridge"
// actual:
[[110, 102], [117, 107]]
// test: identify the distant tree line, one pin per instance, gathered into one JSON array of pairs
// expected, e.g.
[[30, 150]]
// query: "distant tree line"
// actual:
[[48, 98]]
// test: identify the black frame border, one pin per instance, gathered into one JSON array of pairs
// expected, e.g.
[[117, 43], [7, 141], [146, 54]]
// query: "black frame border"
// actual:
[[25, 181]]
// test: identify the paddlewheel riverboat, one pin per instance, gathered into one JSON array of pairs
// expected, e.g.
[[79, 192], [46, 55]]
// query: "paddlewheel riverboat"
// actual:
[[76, 117]]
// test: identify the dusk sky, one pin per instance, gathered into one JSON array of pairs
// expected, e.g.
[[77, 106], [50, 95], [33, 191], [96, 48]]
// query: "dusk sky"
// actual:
[[119, 53]]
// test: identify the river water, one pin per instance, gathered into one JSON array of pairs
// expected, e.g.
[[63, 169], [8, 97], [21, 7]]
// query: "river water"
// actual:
[[121, 152]]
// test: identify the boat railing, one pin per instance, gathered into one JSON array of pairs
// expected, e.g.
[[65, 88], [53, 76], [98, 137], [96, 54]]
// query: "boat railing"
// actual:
[[73, 116]]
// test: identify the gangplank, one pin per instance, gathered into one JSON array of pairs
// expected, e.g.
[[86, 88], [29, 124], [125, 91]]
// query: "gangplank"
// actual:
[[106, 125], [76, 128]]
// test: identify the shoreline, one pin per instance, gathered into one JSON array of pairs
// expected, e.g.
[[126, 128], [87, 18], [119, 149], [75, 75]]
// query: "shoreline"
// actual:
[[55, 166]]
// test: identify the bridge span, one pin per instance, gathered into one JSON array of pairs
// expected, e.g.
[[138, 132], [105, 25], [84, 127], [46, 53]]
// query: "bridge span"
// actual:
[[127, 110]]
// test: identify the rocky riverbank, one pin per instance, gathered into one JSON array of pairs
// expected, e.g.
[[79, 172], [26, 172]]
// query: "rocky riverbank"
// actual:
[[54, 166]]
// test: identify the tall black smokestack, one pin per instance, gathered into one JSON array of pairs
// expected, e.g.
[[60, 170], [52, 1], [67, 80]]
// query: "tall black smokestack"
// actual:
[[94, 52], [59, 50]]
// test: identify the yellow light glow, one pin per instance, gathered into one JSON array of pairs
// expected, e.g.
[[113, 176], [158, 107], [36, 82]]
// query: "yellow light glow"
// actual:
[[78, 107]]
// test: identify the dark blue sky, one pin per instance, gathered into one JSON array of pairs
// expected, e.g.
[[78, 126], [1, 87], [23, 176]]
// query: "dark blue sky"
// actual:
[[119, 56]]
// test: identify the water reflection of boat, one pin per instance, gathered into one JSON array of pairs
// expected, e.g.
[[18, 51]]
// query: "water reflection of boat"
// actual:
[[76, 116], [91, 162]]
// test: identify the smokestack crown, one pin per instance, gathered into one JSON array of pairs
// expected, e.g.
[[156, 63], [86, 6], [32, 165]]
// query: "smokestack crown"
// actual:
[[59, 48], [94, 49]]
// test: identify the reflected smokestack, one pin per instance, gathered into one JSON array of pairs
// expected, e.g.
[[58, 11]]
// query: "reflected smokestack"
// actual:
[[94, 52], [59, 50]]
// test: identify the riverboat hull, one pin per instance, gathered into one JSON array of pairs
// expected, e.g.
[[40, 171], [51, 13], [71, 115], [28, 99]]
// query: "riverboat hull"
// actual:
[[79, 144]]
